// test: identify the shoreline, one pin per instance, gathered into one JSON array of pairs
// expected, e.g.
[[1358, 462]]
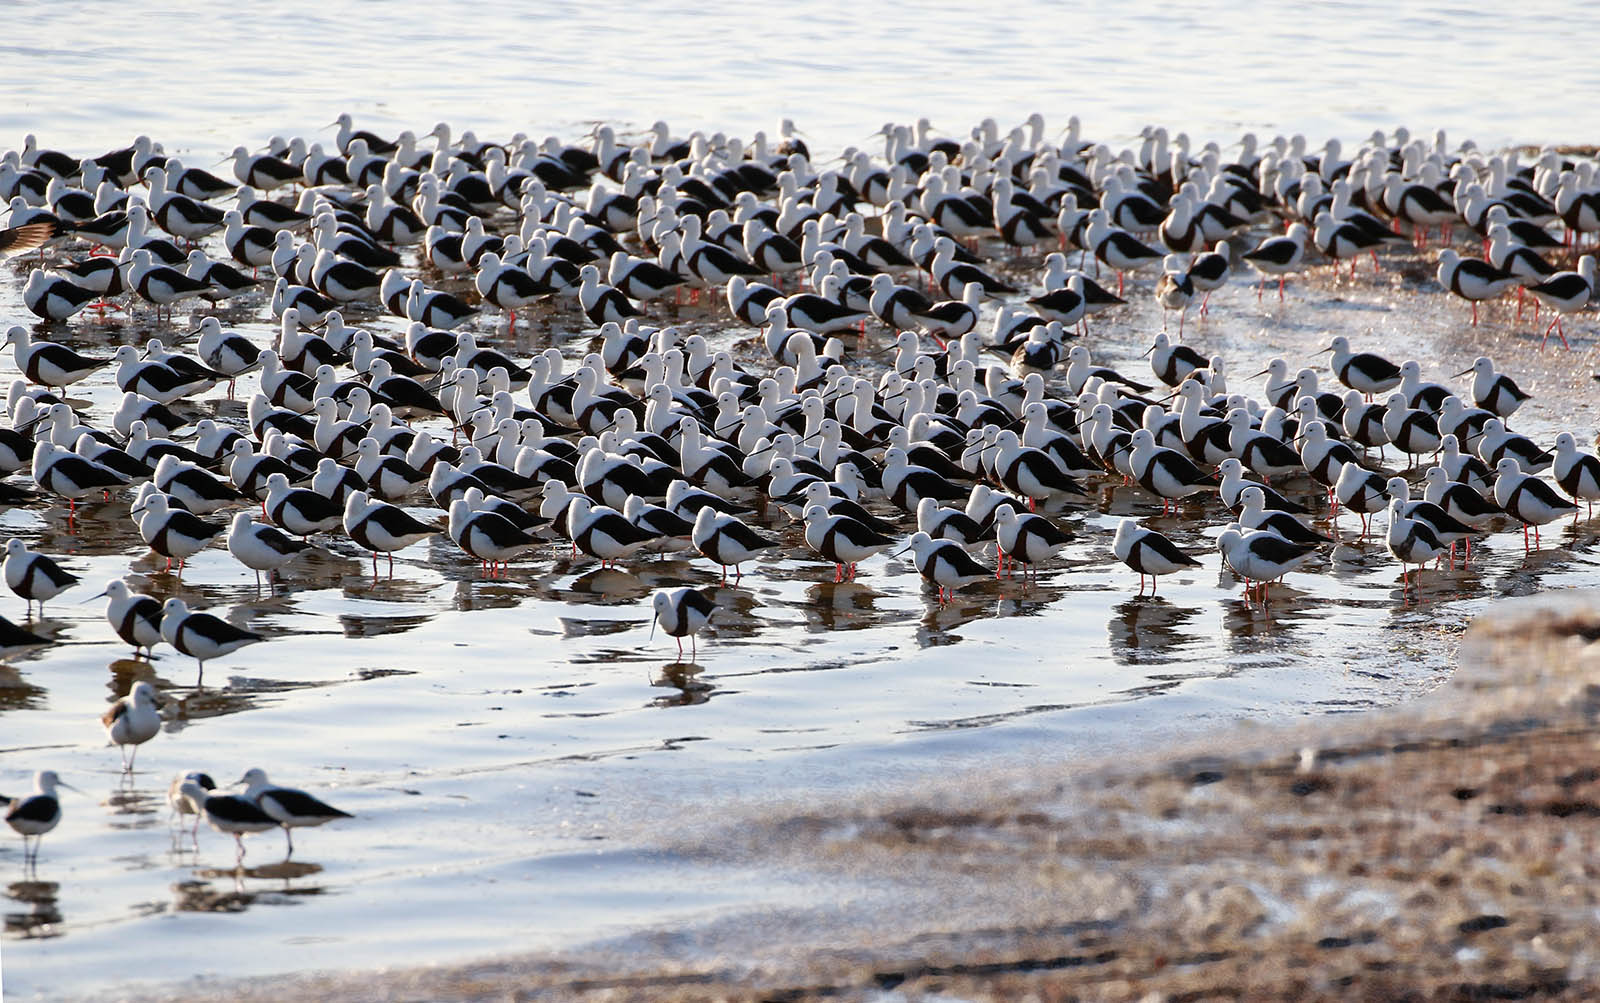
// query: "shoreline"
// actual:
[[1438, 849]]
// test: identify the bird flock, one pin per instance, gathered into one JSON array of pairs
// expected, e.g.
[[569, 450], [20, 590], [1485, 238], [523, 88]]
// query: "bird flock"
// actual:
[[869, 408]]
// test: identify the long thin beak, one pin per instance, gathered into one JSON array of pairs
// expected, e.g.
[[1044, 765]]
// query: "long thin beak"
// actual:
[[1146, 353], [1254, 375], [898, 553], [92, 598], [1463, 372], [63, 783], [652, 636], [1325, 351]]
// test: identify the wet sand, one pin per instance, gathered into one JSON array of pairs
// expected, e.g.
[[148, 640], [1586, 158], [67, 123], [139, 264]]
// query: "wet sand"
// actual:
[[1441, 851]]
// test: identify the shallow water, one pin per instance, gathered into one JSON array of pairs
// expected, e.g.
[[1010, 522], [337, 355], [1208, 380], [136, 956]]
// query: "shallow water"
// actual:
[[505, 743]]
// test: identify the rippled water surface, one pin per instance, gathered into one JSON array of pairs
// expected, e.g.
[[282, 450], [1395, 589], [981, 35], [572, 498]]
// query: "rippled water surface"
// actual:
[[503, 743]]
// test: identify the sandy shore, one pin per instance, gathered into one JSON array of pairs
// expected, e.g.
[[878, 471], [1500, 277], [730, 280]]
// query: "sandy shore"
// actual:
[[1445, 850]]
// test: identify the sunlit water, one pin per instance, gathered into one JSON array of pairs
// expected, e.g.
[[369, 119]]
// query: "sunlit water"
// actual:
[[504, 742]]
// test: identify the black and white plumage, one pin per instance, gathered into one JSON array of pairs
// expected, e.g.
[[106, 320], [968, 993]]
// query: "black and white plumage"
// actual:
[[1566, 292], [901, 307], [288, 806], [343, 281], [1577, 472], [945, 564], [153, 380], [34, 576], [227, 352], [55, 296], [944, 523], [1411, 541], [1363, 371], [266, 214], [727, 541], [133, 720], [682, 613], [200, 491], [379, 527], [263, 170], [1496, 443], [224, 280], [48, 364], [1361, 491], [201, 636], [103, 276], [178, 214], [172, 532], [260, 547], [1253, 514], [1527, 498], [1412, 431], [842, 540], [233, 814], [1209, 272], [1460, 501], [64, 473], [435, 308], [603, 532], [602, 302], [1494, 391], [820, 315], [135, 617], [1258, 556], [490, 537], [181, 804], [1148, 553], [1471, 279], [1165, 473], [33, 815], [1279, 256], [749, 301], [195, 182], [641, 279], [298, 511], [387, 477], [1173, 363], [161, 285], [1026, 539]]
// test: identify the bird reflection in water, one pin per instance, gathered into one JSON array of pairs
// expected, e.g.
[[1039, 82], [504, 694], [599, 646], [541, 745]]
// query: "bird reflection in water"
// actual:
[[684, 679], [736, 613], [607, 585], [41, 916], [1246, 619], [400, 591], [16, 693], [832, 606], [132, 807], [472, 594], [1148, 630], [204, 896], [939, 621]]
